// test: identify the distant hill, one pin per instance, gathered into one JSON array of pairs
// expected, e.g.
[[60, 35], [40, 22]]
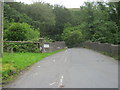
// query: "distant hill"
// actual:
[[74, 9]]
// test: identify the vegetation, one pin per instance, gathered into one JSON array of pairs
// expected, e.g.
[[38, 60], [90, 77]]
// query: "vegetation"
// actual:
[[97, 21], [21, 32], [21, 47], [14, 63], [94, 21], [73, 36], [96, 24]]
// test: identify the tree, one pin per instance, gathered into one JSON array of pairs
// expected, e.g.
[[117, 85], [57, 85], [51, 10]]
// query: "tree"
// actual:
[[11, 14], [18, 6], [114, 12], [105, 32], [73, 36], [63, 16], [105, 28], [42, 15], [97, 23]]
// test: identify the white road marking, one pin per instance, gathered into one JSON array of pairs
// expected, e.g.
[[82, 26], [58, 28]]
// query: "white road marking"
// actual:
[[61, 81], [54, 60], [52, 83], [38, 66]]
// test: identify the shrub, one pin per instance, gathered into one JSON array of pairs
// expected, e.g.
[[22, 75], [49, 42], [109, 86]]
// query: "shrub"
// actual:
[[21, 32], [21, 47]]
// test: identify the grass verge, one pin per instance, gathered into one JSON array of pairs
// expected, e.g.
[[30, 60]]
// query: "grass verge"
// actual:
[[14, 63]]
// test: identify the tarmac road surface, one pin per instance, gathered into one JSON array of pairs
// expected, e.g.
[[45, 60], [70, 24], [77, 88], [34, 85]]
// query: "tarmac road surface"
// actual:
[[72, 68]]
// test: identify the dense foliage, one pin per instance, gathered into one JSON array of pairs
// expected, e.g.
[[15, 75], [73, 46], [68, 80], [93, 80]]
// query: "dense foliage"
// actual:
[[73, 36], [21, 47], [63, 16], [95, 21], [21, 32]]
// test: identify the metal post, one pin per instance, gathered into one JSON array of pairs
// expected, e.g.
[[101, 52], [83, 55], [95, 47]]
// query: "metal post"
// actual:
[[1, 29], [1, 38]]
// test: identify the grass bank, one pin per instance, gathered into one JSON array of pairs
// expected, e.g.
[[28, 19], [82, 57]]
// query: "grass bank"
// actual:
[[14, 63]]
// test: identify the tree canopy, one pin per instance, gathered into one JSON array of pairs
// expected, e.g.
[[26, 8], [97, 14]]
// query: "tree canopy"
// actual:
[[94, 21]]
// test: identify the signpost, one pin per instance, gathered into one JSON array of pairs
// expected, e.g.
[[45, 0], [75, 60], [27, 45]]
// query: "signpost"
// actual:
[[1, 38], [41, 45], [46, 46], [1, 28]]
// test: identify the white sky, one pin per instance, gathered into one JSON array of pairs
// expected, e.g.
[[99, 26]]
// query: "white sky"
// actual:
[[66, 3]]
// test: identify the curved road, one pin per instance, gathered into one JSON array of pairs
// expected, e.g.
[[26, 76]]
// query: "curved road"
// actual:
[[72, 68]]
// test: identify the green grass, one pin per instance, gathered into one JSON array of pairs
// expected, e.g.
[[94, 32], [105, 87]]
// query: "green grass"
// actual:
[[14, 63]]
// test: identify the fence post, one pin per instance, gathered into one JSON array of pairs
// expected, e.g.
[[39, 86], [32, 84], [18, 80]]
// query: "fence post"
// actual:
[[1, 28], [42, 44]]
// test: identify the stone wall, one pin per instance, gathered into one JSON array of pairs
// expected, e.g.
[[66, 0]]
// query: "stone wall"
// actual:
[[54, 46], [104, 47]]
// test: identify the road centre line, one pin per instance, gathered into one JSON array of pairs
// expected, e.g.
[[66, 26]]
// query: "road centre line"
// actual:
[[52, 83], [61, 81], [54, 60]]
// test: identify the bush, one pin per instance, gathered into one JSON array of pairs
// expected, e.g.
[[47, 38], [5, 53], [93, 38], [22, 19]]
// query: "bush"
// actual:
[[22, 47], [21, 32]]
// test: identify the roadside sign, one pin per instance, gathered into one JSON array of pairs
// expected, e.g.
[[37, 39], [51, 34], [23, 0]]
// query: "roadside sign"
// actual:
[[46, 46]]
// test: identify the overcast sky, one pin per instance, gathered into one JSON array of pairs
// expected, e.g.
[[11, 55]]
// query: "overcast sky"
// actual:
[[66, 3]]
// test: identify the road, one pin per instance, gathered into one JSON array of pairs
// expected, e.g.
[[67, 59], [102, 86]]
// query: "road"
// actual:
[[72, 68]]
